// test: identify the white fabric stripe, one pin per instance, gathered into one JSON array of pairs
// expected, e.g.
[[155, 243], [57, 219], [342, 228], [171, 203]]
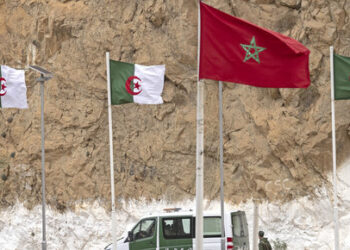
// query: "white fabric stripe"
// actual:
[[16, 95], [152, 82]]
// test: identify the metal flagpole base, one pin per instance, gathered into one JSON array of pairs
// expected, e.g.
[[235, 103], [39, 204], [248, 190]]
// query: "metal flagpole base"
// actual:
[[336, 226]]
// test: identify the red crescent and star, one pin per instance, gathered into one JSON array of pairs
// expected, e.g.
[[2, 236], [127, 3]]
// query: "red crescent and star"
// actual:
[[3, 90], [136, 85]]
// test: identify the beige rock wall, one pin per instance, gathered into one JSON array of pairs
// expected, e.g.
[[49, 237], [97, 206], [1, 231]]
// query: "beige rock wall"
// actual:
[[277, 142]]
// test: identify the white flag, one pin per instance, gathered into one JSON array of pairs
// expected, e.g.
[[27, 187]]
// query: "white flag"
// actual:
[[13, 90]]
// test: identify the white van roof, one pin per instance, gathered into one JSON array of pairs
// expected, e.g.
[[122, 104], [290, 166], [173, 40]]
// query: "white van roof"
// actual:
[[181, 213]]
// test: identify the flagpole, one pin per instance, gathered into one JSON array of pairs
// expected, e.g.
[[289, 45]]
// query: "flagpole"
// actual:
[[255, 224], [44, 76], [335, 197], [222, 198], [43, 244], [114, 236], [199, 148]]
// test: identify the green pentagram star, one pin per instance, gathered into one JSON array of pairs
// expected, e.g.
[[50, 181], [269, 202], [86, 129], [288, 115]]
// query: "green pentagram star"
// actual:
[[252, 51]]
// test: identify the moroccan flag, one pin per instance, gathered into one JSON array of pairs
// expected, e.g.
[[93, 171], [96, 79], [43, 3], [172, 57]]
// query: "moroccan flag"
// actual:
[[136, 83], [234, 50], [13, 90], [341, 77]]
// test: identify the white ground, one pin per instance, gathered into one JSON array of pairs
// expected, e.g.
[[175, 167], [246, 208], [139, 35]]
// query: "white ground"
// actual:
[[302, 224]]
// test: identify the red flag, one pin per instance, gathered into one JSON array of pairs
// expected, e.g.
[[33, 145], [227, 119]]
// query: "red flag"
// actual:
[[234, 50]]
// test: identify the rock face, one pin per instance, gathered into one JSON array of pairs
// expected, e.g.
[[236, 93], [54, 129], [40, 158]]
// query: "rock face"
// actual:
[[277, 142]]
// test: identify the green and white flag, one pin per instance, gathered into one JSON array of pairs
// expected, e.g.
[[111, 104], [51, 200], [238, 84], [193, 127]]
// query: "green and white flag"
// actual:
[[136, 83], [13, 90]]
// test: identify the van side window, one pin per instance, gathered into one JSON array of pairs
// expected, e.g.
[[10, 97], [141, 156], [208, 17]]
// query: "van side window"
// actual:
[[177, 228], [212, 227], [237, 226], [144, 229]]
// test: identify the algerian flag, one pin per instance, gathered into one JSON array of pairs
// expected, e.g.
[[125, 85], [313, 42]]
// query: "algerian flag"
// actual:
[[341, 77], [136, 83], [13, 90]]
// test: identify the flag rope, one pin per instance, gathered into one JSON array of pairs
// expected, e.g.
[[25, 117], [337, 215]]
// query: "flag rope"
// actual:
[[222, 197]]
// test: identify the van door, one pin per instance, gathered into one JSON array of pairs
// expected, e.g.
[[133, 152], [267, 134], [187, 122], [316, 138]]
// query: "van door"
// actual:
[[212, 232], [240, 230], [176, 233], [144, 235]]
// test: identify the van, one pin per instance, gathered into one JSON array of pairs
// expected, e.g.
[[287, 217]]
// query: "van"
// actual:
[[176, 231]]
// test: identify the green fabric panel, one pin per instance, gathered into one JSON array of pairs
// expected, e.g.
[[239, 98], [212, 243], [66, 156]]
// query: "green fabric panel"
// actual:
[[341, 77], [120, 72]]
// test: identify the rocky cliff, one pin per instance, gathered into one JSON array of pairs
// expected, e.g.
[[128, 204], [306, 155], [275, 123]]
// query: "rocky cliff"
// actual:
[[277, 142]]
